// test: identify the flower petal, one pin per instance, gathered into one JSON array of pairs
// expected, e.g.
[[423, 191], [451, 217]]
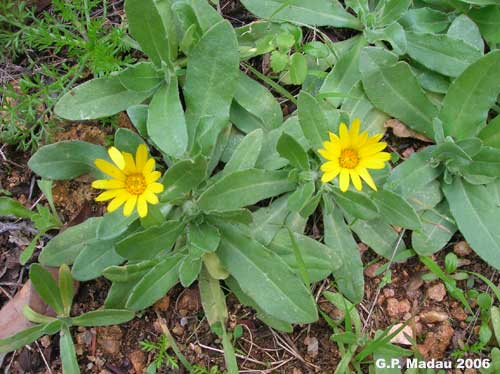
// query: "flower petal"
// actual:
[[152, 177], [345, 140], [344, 180], [369, 163], [129, 163], [109, 169], [117, 157], [365, 175], [117, 202], [142, 206], [327, 177], [108, 195], [149, 167], [150, 197], [354, 130], [371, 149], [155, 187], [330, 166], [107, 184], [141, 156], [129, 205], [356, 180]]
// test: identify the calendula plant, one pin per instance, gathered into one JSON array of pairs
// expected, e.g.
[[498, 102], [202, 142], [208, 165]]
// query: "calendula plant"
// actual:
[[456, 178], [59, 296], [199, 219]]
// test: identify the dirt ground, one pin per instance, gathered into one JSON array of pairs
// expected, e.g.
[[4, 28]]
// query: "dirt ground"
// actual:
[[438, 322]]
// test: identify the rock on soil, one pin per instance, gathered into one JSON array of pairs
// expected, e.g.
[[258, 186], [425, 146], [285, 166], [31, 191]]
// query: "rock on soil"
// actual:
[[436, 292]]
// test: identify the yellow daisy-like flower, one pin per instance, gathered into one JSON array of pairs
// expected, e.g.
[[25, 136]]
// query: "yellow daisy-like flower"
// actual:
[[350, 155], [133, 182]]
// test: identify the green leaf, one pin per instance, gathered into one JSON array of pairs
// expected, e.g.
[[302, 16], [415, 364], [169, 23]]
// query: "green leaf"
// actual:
[[311, 12], [113, 224], [481, 2], [394, 209], [371, 59], [234, 216], [211, 76], [490, 135], [413, 174], [22, 338], [212, 299], [476, 218], [68, 353], [319, 259], [243, 188], [465, 29], [127, 140], [279, 61], [189, 269], [437, 230], [183, 177], [265, 278], [470, 97], [269, 220], [214, 266], [290, 149], [103, 317], [427, 197], [442, 53], [138, 115], [312, 120], [392, 11], [147, 27], [96, 256], [147, 244], [486, 163], [425, 20], [35, 317], [345, 73], [256, 99], [46, 287], [495, 321], [142, 76], [166, 124], [9, 206], [65, 247], [431, 81], [394, 34], [204, 237], [128, 272], [301, 197], [246, 153], [66, 288], [379, 236], [396, 91], [349, 277], [358, 105], [263, 316], [206, 15], [97, 98], [487, 19], [356, 204], [298, 68], [67, 159], [155, 284]]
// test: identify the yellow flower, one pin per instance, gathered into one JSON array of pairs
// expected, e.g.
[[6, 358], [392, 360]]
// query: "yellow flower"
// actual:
[[132, 182], [350, 155]]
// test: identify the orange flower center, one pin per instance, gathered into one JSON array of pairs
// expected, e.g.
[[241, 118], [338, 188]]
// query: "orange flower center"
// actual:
[[135, 184], [349, 158]]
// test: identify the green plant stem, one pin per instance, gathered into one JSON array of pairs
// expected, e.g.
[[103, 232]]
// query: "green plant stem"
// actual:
[[279, 89], [173, 344]]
